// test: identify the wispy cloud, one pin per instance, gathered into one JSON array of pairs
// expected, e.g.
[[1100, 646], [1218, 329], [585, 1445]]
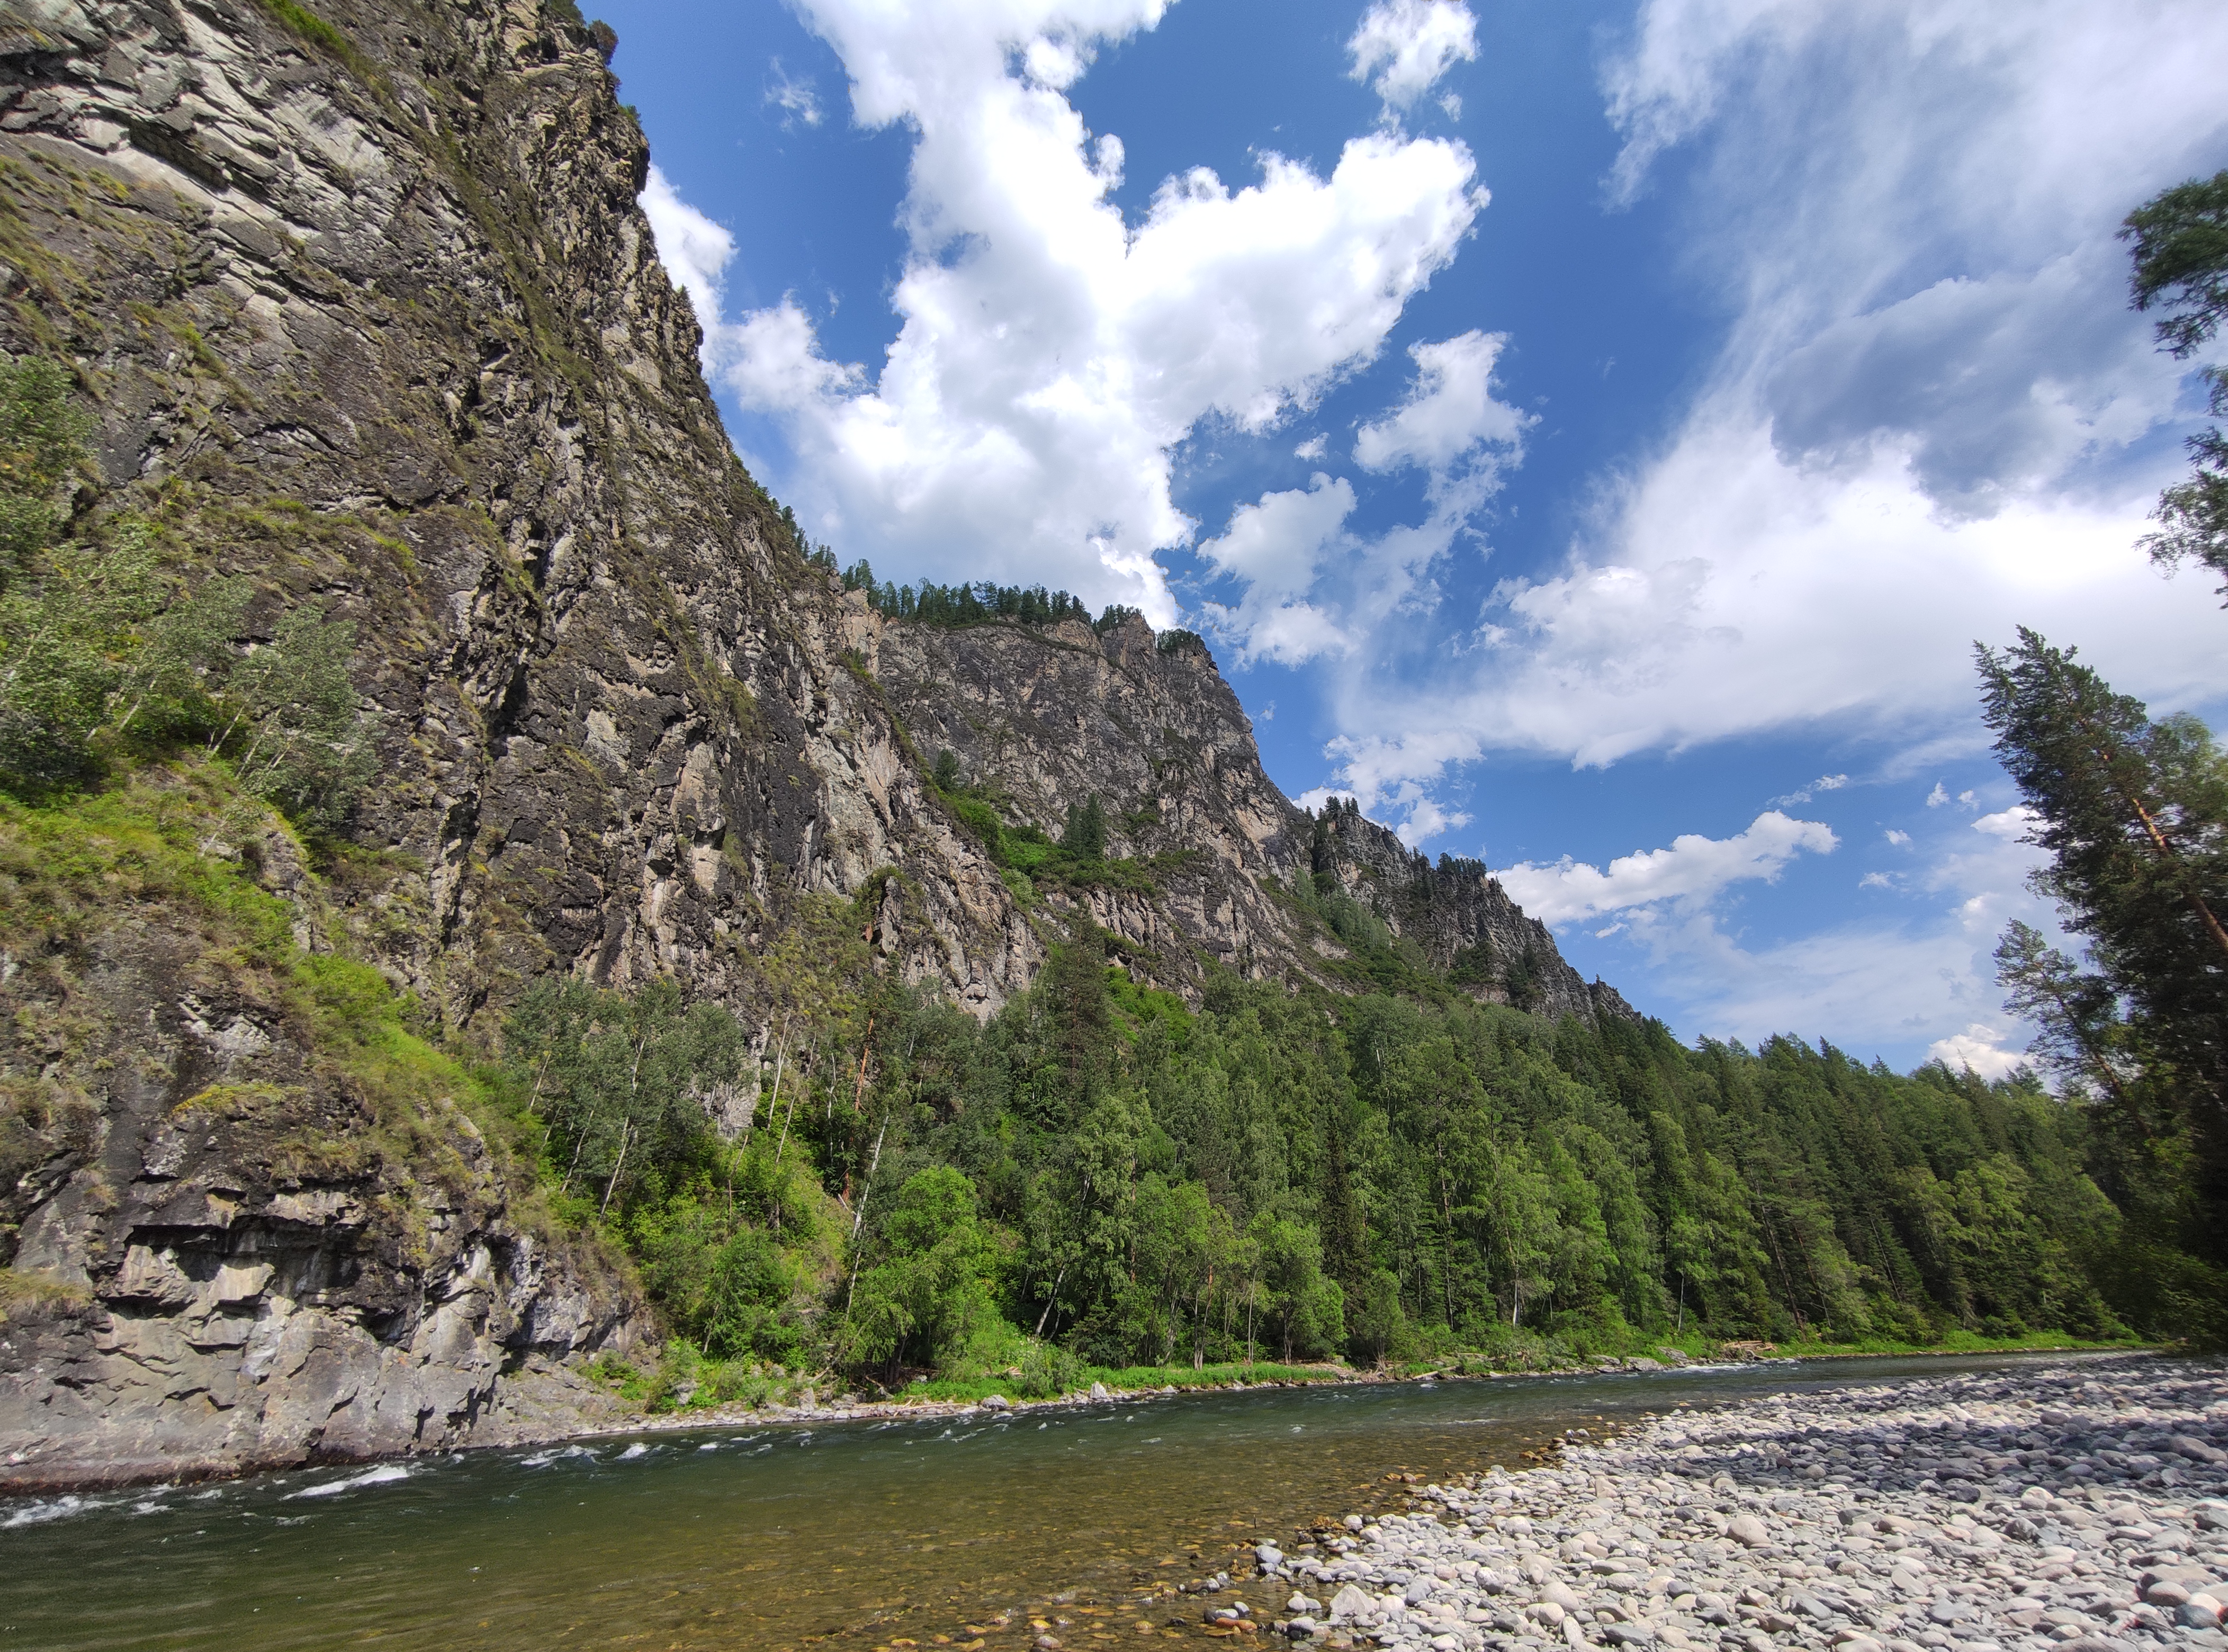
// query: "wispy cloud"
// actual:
[[1932, 417], [1823, 783], [1916, 972], [796, 97]]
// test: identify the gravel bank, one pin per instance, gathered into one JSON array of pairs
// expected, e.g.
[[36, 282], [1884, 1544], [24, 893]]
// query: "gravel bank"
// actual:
[[2080, 1508]]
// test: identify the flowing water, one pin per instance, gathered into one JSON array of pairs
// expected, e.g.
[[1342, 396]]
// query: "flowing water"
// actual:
[[857, 1536]]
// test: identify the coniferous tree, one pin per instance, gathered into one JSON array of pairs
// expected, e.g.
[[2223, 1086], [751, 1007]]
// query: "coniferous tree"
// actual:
[[2135, 815], [2180, 246], [2134, 812], [1086, 836], [2081, 1040]]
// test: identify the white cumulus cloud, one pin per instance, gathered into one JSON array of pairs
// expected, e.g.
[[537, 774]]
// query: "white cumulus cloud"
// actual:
[[1450, 425], [1690, 873], [1277, 549], [1403, 46], [1050, 356], [694, 250], [2013, 824], [1980, 1048], [1451, 411]]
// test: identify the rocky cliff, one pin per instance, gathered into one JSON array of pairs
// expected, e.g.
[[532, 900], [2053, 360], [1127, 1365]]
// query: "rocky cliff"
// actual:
[[368, 316], [1042, 718]]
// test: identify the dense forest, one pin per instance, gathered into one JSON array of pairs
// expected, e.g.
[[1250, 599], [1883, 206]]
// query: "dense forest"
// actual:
[[1100, 1176]]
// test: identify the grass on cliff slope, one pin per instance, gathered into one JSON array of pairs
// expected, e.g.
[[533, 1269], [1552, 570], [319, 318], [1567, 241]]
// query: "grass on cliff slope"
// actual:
[[177, 846]]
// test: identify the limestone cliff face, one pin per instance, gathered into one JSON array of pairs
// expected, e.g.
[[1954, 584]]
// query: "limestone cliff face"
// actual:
[[369, 315]]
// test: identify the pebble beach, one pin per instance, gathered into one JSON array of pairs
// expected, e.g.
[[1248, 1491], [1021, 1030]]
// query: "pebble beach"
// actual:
[[2073, 1508]]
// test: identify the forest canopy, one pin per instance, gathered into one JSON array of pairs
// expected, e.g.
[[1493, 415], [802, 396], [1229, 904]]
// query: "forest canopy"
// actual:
[[1102, 1175]]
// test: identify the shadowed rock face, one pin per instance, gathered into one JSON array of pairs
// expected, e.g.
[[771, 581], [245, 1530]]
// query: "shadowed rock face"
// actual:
[[369, 315]]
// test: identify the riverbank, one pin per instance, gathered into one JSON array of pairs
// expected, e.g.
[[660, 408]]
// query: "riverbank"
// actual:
[[624, 1396], [664, 1400], [2073, 1509]]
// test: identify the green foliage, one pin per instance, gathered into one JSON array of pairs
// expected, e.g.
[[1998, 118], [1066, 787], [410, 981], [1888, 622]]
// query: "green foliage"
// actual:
[[929, 1284], [982, 820], [294, 731], [1100, 1178], [1086, 836], [945, 775], [623, 1083], [732, 1289], [2181, 251], [2193, 515], [42, 443], [1377, 959], [954, 605], [101, 655], [1078, 858], [70, 621], [304, 24], [2134, 813]]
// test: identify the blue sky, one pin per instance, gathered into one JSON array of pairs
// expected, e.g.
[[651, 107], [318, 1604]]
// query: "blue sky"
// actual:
[[1592, 434]]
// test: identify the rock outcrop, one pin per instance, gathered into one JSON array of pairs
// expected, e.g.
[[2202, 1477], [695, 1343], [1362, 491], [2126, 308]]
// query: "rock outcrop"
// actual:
[[1043, 718], [1459, 918], [249, 1218], [369, 317]]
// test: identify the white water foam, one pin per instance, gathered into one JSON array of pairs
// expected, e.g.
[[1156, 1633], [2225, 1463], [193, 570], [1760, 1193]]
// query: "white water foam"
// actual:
[[555, 1454], [385, 1474], [38, 1513]]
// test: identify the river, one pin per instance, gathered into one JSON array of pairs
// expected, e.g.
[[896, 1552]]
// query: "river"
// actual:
[[857, 1535]]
